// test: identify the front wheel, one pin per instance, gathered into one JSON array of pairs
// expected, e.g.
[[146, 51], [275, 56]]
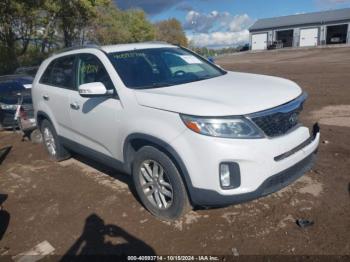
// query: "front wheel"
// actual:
[[159, 184]]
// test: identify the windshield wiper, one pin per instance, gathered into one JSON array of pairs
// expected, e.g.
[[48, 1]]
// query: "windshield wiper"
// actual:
[[162, 84], [156, 85], [205, 77]]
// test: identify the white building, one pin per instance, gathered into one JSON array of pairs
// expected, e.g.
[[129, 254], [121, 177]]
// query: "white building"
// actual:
[[312, 29]]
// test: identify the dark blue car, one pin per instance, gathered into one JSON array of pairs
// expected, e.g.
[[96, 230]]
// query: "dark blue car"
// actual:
[[13, 87]]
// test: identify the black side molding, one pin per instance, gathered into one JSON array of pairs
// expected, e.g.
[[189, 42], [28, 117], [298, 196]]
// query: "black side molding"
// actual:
[[90, 153]]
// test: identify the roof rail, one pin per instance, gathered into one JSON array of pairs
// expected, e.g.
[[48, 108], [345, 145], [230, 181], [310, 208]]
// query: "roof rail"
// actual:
[[77, 47]]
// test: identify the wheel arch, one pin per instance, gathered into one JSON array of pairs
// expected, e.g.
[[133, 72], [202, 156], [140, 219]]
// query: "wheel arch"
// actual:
[[40, 117], [135, 142]]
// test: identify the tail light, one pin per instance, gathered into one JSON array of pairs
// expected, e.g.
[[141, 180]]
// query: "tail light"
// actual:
[[23, 114]]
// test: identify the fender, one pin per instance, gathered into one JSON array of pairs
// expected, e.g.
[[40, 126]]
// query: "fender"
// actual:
[[166, 148]]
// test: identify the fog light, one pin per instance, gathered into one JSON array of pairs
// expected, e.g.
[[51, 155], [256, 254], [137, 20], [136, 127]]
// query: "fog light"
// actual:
[[225, 175], [230, 175]]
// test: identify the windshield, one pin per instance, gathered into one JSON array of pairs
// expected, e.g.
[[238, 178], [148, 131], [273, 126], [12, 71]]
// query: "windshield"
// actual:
[[160, 67]]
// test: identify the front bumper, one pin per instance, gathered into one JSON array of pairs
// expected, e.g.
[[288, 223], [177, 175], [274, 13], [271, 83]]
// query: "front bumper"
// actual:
[[273, 184], [267, 165]]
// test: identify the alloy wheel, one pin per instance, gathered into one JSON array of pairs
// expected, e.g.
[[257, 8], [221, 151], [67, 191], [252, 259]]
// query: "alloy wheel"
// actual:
[[155, 184], [49, 141]]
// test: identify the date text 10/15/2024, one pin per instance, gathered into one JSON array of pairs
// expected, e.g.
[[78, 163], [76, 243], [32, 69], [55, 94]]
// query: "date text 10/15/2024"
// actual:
[[173, 258]]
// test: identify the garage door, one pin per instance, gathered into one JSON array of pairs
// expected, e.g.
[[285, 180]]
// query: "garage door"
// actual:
[[309, 37], [259, 41]]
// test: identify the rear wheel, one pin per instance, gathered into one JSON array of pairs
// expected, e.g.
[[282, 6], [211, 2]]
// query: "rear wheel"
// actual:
[[159, 184], [51, 142]]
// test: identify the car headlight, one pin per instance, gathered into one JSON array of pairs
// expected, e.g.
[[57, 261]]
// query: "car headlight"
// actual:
[[230, 127], [8, 107]]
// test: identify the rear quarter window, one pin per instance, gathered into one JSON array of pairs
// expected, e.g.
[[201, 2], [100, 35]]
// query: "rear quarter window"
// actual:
[[45, 78], [60, 73]]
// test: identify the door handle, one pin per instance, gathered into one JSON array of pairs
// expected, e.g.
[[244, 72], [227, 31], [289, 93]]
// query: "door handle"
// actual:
[[46, 97], [74, 106]]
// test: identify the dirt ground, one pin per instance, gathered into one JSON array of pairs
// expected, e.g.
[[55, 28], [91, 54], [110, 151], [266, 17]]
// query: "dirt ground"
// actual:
[[79, 207]]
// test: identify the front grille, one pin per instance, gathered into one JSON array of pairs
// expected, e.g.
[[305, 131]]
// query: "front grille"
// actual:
[[278, 121]]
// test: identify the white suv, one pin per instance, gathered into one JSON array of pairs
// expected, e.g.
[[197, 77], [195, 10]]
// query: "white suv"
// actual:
[[189, 133]]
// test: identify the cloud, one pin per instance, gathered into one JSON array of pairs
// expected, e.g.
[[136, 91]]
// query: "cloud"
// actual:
[[216, 21], [220, 39], [217, 29], [151, 7], [240, 22], [213, 29]]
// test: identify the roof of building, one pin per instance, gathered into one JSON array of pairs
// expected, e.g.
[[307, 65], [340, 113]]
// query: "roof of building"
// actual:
[[302, 19]]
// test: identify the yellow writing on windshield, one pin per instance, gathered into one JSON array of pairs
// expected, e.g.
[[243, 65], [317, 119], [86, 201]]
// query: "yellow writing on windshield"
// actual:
[[128, 55]]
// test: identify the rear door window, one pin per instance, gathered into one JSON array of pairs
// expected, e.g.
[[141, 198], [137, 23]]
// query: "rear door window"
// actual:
[[62, 74]]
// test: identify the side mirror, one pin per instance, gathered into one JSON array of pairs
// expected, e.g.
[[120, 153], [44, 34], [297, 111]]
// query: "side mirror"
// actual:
[[94, 89]]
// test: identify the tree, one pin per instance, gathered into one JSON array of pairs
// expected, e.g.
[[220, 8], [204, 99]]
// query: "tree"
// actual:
[[31, 29], [17, 24], [113, 26], [108, 27], [171, 31], [140, 28], [74, 16], [27, 23], [48, 20]]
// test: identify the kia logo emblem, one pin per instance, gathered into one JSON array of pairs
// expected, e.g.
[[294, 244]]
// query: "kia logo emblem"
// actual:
[[293, 118]]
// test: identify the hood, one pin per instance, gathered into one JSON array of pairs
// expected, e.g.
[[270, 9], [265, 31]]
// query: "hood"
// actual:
[[230, 94]]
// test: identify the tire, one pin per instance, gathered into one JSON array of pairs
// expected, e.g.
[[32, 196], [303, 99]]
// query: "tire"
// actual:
[[163, 193], [51, 142]]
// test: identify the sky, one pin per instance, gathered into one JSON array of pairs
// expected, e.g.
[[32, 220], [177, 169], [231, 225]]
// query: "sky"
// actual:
[[222, 23]]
